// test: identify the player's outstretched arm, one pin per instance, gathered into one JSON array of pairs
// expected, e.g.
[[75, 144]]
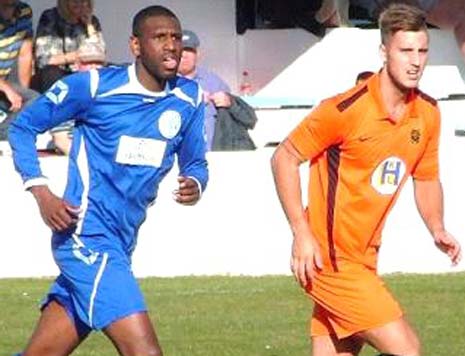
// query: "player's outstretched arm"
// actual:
[[56, 213], [429, 200], [305, 252]]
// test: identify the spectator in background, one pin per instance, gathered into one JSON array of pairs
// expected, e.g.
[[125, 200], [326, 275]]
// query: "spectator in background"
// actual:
[[227, 117], [69, 39], [15, 60], [65, 34]]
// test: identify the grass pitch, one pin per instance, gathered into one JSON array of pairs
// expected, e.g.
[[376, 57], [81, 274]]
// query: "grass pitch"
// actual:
[[247, 316]]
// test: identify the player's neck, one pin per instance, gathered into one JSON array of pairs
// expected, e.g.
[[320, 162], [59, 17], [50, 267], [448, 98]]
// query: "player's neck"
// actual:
[[147, 80], [395, 98]]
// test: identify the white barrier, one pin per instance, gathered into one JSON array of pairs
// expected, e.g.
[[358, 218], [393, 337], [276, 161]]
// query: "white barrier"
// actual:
[[238, 227]]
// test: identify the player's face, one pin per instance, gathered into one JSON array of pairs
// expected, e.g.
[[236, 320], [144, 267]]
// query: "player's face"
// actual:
[[405, 55], [188, 62], [158, 49]]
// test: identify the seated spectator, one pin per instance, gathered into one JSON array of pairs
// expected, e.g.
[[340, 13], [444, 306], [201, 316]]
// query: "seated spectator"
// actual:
[[69, 39], [227, 117], [61, 33], [15, 60]]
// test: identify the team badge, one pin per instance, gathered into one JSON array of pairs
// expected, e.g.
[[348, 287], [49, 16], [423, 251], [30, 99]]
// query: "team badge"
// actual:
[[169, 124], [387, 177], [415, 136], [58, 92]]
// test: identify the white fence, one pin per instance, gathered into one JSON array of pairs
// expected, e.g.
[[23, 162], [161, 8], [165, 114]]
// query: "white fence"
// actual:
[[238, 227]]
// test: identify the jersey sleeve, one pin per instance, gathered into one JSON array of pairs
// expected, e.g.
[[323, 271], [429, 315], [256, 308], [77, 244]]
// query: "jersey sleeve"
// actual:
[[67, 99], [191, 152], [321, 129], [427, 167]]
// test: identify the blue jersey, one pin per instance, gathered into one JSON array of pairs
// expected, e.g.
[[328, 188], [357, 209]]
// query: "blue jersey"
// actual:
[[124, 142]]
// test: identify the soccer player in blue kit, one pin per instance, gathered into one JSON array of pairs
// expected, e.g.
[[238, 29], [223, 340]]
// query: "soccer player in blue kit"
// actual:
[[131, 122]]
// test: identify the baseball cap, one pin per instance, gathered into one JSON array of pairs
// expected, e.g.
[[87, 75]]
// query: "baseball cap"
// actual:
[[190, 39]]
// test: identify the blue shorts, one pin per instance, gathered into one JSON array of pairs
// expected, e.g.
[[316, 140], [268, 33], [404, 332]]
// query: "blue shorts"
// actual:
[[96, 285]]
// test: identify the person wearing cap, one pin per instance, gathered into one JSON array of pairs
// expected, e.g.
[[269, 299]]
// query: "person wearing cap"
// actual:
[[227, 117]]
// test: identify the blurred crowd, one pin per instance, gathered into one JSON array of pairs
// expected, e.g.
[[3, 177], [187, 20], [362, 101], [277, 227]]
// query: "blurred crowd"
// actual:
[[69, 38]]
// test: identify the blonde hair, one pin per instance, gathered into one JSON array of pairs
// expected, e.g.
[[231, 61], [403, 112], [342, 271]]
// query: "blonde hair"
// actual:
[[399, 16], [63, 8]]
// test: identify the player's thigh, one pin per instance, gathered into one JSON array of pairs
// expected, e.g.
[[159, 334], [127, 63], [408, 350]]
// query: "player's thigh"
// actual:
[[134, 335], [396, 337], [55, 333], [331, 346]]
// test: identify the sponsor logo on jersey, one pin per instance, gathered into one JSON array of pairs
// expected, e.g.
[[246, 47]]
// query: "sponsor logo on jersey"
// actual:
[[169, 124], [58, 92], [387, 177], [138, 151]]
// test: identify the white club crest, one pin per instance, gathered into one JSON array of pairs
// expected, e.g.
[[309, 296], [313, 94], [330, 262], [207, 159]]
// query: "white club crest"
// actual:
[[169, 124]]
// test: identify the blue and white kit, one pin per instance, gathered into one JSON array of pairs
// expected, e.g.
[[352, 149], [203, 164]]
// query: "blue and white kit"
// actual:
[[124, 142]]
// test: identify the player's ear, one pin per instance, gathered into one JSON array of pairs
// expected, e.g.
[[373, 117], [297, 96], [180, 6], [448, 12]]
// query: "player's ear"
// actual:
[[134, 44], [382, 52]]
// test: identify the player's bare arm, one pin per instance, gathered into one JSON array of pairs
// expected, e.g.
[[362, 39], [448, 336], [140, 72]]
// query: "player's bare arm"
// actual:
[[56, 213], [305, 253], [429, 200], [188, 192]]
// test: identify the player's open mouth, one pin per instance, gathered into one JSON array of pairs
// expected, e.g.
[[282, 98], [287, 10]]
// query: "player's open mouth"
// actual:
[[170, 63]]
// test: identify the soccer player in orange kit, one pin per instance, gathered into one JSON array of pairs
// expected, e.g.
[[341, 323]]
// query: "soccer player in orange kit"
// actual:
[[362, 146]]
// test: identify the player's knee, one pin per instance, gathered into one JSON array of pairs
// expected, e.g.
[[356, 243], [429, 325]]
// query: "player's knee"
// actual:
[[154, 351]]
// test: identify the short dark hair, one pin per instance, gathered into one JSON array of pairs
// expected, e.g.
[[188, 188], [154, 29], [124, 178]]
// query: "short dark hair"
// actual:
[[150, 11], [401, 16]]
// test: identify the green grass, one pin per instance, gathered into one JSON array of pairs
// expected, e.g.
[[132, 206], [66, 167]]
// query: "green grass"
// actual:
[[247, 316]]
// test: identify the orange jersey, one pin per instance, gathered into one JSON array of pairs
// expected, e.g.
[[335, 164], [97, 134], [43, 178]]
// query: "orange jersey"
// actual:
[[359, 160]]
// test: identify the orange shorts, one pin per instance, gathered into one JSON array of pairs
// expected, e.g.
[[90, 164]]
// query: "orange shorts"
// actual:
[[349, 301]]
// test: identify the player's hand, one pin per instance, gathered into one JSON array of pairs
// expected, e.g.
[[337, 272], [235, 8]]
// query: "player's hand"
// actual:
[[221, 99], [449, 245], [305, 258], [56, 213], [188, 192]]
